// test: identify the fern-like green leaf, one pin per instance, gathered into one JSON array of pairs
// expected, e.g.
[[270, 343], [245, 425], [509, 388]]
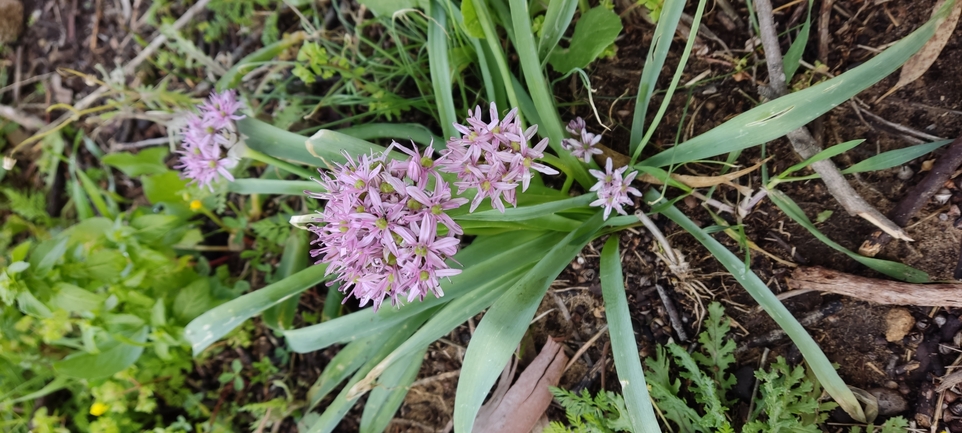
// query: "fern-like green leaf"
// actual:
[[719, 351]]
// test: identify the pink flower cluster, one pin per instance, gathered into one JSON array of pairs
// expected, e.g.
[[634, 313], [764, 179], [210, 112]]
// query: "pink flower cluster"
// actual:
[[379, 231], [209, 138], [493, 157], [613, 188], [583, 145]]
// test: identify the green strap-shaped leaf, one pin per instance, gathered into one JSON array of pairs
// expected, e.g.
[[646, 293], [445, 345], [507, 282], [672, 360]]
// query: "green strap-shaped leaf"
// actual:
[[218, 321], [893, 269], [387, 397], [657, 53], [816, 359], [496, 255], [334, 412], [641, 416], [502, 327], [556, 21], [783, 115], [273, 186], [441, 68], [346, 362], [294, 260], [447, 318], [793, 56]]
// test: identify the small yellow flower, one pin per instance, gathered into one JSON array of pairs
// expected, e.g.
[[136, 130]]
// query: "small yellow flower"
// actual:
[[195, 205], [98, 409]]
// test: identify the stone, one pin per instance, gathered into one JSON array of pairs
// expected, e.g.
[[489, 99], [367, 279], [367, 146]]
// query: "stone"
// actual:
[[898, 323]]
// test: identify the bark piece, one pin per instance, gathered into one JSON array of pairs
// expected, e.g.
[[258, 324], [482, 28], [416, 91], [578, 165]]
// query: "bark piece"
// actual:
[[875, 290]]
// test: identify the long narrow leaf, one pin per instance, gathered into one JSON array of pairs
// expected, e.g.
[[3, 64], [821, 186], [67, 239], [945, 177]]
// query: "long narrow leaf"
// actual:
[[294, 260], [348, 360], [339, 407], [387, 397], [402, 132], [440, 67], [504, 324], [556, 21], [776, 118], [441, 324], [497, 255], [218, 321], [657, 53], [273, 186], [793, 56], [816, 359], [893, 269], [641, 416], [541, 94]]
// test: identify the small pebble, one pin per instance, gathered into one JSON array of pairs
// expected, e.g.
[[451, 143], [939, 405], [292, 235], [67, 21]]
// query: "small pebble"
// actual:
[[905, 173], [890, 402]]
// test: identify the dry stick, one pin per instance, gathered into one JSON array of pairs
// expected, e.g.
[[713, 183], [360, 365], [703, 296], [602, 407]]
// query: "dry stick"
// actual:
[[158, 40], [779, 333], [802, 141], [672, 313], [914, 200], [875, 290]]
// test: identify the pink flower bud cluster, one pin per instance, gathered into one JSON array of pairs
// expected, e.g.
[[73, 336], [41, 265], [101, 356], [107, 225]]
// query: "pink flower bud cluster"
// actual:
[[209, 138], [582, 146], [379, 231], [493, 157], [613, 188]]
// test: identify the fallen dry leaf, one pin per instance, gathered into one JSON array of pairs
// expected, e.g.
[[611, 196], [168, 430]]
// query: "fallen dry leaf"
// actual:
[[517, 409], [922, 60]]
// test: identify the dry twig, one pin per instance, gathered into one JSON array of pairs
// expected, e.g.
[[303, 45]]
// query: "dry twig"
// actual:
[[875, 290], [803, 142]]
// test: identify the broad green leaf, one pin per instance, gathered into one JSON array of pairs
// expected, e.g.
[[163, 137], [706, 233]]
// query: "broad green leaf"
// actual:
[[816, 359], [47, 254], [387, 397], [151, 228], [471, 24], [496, 255], [657, 53], [104, 265], [641, 416], [147, 161], [107, 362], [193, 300], [281, 316], [504, 324], [74, 299], [88, 230], [556, 21], [893, 269], [218, 321], [164, 189], [595, 31], [32, 306]]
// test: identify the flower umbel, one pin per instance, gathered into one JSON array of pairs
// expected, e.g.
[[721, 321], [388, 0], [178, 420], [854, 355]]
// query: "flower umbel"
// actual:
[[583, 145], [379, 232], [208, 151], [613, 188], [494, 157]]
